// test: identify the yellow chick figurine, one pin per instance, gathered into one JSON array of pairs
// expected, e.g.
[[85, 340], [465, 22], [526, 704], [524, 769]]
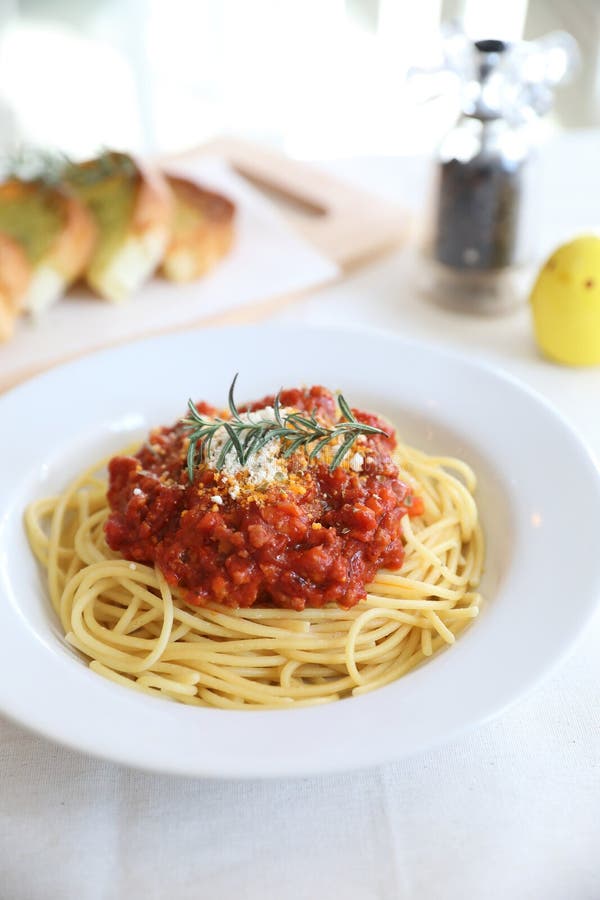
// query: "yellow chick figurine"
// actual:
[[566, 303]]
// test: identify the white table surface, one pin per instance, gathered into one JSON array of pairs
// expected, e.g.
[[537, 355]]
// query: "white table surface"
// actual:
[[511, 809]]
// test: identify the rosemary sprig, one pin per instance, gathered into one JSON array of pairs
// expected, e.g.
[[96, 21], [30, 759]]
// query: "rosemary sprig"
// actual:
[[33, 164], [107, 164], [298, 430], [50, 167]]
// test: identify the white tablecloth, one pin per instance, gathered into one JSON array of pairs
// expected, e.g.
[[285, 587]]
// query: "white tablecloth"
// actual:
[[511, 809]]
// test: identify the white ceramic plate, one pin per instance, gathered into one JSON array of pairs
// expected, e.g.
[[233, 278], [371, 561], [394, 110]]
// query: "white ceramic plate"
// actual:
[[539, 497]]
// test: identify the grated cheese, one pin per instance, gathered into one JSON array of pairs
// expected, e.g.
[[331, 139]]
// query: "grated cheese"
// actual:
[[356, 462], [263, 467], [267, 466]]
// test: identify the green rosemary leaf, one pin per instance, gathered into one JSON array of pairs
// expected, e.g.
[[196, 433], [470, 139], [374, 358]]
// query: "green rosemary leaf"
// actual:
[[223, 454], [277, 408], [248, 439], [320, 445], [299, 421], [196, 416], [191, 459], [264, 439], [345, 409], [207, 446], [342, 451], [248, 445], [294, 446], [234, 410], [236, 443]]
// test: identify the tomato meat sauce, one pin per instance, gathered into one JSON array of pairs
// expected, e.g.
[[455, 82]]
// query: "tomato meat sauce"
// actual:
[[315, 536]]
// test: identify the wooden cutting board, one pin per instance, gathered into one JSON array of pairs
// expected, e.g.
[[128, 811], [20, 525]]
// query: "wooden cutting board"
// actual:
[[348, 225]]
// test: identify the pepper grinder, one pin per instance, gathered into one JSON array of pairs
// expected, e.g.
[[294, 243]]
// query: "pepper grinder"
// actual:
[[483, 227]]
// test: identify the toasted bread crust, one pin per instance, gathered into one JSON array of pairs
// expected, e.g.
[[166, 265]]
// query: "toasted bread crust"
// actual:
[[197, 248], [15, 273], [154, 201], [13, 189], [75, 244]]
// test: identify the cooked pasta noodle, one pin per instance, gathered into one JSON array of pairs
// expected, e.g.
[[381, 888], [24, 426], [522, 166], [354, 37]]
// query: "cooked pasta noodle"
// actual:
[[136, 630]]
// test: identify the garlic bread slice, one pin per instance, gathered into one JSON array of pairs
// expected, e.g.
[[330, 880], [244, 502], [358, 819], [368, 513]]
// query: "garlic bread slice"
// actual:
[[54, 230], [131, 206], [201, 233]]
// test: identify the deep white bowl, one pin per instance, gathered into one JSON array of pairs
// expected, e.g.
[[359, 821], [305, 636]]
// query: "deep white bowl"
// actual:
[[539, 497]]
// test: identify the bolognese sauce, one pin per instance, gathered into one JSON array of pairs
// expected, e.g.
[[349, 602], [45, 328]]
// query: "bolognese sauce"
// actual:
[[296, 533]]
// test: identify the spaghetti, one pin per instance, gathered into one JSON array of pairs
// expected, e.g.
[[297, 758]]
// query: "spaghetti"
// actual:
[[137, 630]]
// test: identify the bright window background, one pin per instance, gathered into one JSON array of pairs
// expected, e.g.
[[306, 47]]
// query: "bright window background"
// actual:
[[317, 78]]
